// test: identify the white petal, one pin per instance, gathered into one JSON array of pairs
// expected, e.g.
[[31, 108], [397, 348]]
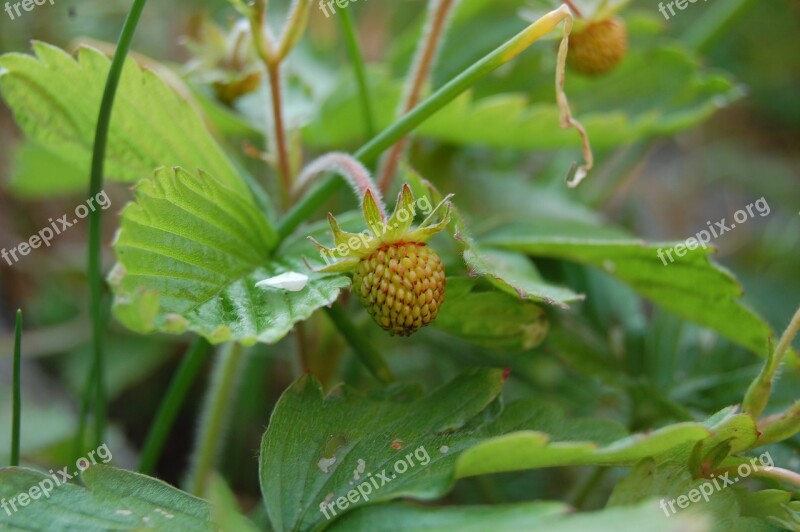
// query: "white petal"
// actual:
[[291, 281]]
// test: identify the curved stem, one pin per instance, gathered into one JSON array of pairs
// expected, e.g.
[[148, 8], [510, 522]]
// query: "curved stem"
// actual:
[[779, 427], [438, 15], [16, 423], [357, 59], [215, 417], [353, 171], [95, 215], [434, 103], [190, 366], [574, 8], [774, 473], [577, 174]]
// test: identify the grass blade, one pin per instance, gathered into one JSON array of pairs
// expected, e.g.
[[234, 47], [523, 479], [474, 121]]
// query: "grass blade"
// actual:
[[17, 392]]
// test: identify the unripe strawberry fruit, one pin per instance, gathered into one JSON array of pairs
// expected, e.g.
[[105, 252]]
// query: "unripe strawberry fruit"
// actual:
[[598, 47], [396, 275], [402, 286]]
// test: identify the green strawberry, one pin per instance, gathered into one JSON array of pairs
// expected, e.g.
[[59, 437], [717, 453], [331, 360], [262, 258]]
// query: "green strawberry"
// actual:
[[396, 275], [402, 286]]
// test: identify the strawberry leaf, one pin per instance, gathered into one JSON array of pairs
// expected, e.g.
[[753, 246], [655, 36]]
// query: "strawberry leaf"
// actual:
[[190, 254], [55, 99]]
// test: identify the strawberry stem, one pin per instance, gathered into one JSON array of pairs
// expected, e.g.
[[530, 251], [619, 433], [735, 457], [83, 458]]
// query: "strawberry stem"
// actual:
[[574, 8], [352, 170]]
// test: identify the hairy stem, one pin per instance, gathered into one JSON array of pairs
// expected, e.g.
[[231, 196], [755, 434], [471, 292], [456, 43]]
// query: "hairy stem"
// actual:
[[434, 103], [95, 215], [189, 368], [353, 171], [16, 423], [438, 14], [210, 438], [757, 396]]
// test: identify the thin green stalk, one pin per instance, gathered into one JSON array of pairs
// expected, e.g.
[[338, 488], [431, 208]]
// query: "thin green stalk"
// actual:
[[773, 473], [369, 356], [95, 216], [780, 427], [190, 366], [757, 396], [210, 437], [86, 400], [588, 487], [357, 59], [714, 24], [17, 391], [434, 103]]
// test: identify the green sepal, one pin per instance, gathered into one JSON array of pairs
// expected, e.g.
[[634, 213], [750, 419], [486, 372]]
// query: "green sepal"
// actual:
[[372, 213], [343, 266], [340, 236], [405, 203]]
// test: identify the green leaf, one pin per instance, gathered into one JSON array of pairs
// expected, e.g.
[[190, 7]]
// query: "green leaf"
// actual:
[[532, 450], [191, 251], [494, 320], [320, 449], [669, 480], [731, 507], [773, 505], [549, 419], [552, 517], [398, 517], [113, 499], [515, 274], [692, 287], [55, 101]]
